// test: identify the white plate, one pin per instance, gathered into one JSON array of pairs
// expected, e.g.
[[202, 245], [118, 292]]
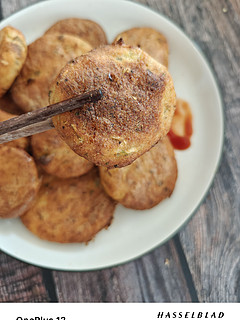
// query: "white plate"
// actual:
[[132, 233]]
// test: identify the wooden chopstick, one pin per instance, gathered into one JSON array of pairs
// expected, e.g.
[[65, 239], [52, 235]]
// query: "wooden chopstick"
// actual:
[[41, 119]]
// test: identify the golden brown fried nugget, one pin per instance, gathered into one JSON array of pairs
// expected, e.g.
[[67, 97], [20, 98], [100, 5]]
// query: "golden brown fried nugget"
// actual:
[[21, 143], [19, 181], [55, 156], [88, 30], [135, 112], [147, 181], [7, 104], [46, 56], [70, 210], [13, 52], [149, 40]]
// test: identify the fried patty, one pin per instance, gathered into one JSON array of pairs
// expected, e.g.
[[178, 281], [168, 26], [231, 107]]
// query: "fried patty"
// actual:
[[55, 156], [7, 104], [19, 181], [13, 52], [147, 181], [148, 39], [21, 143], [135, 112], [88, 30], [70, 210], [46, 56]]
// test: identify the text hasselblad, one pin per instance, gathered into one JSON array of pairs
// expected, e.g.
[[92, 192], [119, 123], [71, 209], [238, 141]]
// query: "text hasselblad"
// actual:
[[190, 315]]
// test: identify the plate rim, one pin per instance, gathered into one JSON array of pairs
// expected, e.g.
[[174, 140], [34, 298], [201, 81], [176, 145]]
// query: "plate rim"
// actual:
[[215, 81]]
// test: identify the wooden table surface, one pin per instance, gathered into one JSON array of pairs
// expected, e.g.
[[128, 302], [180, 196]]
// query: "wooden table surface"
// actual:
[[202, 262]]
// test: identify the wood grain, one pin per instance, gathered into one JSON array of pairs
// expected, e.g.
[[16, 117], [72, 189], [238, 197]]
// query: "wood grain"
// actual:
[[11, 6], [157, 276], [211, 240], [20, 282]]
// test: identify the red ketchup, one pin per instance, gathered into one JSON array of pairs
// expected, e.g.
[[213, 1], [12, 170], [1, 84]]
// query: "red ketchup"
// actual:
[[181, 129]]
